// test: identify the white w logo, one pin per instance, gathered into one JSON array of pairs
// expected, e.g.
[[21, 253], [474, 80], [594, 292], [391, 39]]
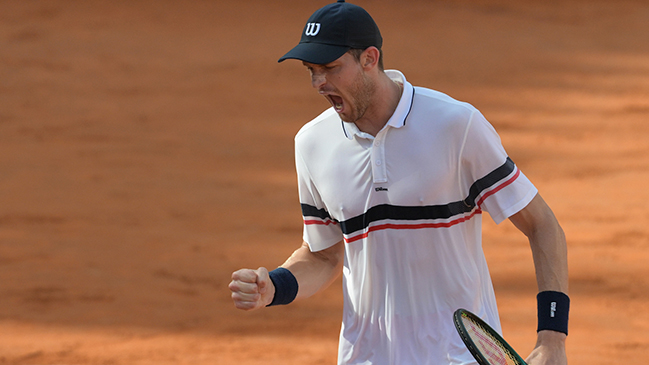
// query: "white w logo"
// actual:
[[312, 29]]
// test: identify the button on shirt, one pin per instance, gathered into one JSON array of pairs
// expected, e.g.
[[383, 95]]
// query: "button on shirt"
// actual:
[[408, 204]]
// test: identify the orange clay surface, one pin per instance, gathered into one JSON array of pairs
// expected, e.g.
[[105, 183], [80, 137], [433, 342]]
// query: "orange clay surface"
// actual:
[[146, 153]]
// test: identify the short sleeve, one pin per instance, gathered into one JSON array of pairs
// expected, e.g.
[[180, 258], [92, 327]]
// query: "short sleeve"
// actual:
[[320, 230], [492, 181]]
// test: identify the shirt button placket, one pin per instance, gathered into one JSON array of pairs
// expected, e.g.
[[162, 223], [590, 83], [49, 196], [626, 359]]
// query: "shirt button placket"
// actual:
[[378, 159]]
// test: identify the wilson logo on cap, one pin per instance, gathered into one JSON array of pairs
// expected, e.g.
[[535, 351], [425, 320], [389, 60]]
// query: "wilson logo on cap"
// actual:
[[312, 29]]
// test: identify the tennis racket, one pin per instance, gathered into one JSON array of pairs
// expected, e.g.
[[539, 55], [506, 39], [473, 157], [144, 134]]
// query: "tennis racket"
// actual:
[[484, 343]]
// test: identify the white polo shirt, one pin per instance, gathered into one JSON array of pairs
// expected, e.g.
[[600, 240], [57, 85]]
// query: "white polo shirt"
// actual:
[[408, 203]]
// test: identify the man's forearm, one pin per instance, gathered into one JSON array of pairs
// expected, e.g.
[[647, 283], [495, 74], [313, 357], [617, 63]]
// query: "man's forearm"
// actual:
[[315, 271], [550, 256], [548, 244]]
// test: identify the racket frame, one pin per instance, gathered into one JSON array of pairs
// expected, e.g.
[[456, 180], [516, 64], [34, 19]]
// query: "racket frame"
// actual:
[[466, 338]]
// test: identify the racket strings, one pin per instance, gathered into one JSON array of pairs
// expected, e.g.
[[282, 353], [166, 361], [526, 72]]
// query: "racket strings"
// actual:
[[490, 347]]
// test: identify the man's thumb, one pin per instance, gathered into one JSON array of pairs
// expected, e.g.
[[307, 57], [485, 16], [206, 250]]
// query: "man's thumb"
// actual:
[[262, 279]]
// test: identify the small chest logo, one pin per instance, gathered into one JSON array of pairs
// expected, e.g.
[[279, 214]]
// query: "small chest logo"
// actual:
[[380, 189], [312, 29]]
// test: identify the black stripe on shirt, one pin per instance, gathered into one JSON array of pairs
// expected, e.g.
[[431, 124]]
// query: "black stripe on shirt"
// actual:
[[488, 181], [311, 211], [412, 213]]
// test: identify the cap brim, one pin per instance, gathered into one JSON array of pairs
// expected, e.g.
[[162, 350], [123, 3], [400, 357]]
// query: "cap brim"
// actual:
[[316, 53]]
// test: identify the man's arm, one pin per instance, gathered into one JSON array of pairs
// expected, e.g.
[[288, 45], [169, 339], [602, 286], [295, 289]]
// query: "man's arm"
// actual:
[[314, 271], [549, 251]]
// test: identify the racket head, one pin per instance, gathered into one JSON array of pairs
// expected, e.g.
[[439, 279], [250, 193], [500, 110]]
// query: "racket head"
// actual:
[[484, 343]]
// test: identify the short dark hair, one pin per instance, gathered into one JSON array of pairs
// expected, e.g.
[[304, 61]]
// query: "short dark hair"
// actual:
[[356, 52]]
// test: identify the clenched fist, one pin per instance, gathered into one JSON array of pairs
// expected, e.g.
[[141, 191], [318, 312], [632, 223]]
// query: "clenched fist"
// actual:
[[251, 289]]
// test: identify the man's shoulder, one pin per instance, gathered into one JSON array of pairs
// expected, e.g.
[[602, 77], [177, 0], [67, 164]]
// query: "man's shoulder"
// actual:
[[328, 122], [436, 112], [425, 97]]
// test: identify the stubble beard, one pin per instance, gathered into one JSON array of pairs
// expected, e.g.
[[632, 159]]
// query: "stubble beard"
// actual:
[[362, 91]]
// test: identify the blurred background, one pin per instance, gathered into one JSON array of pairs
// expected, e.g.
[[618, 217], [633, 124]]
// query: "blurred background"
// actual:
[[146, 152]]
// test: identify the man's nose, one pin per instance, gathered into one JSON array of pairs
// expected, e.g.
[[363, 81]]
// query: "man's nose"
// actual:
[[318, 80]]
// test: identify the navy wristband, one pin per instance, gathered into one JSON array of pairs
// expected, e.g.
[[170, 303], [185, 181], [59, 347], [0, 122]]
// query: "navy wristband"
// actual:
[[553, 308], [285, 286]]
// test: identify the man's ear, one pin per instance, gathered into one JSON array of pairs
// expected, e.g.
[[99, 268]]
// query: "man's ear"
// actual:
[[370, 57]]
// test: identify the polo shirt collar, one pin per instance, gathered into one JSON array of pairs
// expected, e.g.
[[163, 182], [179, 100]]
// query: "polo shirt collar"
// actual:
[[398, 118]]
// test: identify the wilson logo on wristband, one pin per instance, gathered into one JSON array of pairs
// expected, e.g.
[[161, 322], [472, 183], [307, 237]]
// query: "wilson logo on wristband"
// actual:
[[556, 318]]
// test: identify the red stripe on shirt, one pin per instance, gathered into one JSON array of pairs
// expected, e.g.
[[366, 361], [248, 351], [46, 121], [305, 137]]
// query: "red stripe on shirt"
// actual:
[[412, 226], [497, 189], [322, 223]]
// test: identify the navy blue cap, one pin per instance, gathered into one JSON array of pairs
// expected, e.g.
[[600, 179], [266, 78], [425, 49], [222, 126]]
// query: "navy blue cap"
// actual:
[[333, 30]]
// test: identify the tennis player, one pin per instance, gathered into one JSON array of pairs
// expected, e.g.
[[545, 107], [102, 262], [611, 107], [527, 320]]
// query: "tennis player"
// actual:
[[393, 182]]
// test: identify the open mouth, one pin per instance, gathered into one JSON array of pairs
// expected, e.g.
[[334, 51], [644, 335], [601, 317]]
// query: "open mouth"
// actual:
[[336, 102]]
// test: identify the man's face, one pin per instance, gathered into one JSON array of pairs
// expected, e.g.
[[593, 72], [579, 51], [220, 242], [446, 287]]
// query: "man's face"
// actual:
[[345, 85]]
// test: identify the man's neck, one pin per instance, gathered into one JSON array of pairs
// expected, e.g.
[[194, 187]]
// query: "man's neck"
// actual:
[[386, 99]]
